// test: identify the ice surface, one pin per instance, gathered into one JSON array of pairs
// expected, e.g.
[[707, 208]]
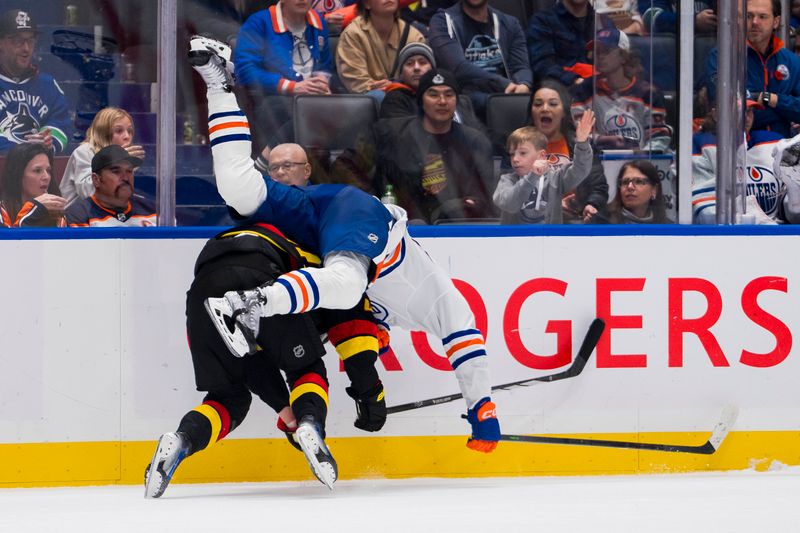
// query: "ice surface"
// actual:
[[729, 502]]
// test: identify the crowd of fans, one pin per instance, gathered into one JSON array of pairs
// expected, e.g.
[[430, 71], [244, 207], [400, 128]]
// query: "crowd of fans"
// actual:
[[432, 69]]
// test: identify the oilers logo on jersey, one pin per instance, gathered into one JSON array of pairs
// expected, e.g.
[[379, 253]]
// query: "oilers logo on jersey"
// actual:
[[556, 161], [15, 126], [622, 124], [762, 184]]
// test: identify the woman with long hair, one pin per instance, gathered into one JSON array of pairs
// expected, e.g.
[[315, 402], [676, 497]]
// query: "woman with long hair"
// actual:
[[111, 125], [28, 193], [639, 198], [549, 113]]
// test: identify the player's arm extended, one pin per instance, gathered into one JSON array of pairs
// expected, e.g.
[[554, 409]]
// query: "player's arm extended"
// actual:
[[238, 182]]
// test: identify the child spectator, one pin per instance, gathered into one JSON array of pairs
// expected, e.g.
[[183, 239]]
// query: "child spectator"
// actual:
[[532, 193], [549, 113], [111, 125], [29, 196]]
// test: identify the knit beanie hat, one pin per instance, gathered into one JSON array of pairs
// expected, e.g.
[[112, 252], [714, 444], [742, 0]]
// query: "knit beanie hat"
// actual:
[[435, 78], [414, 49]]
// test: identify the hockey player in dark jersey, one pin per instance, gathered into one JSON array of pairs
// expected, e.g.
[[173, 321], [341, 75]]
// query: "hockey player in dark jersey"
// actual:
[[234, 260]]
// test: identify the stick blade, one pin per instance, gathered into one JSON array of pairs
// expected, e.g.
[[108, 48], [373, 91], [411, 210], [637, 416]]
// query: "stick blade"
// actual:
[[729, 415]]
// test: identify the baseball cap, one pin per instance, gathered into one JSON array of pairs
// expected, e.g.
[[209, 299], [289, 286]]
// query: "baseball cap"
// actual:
[[415, 49], [435, 78], [111, 155], [16, 20], [611, 38]]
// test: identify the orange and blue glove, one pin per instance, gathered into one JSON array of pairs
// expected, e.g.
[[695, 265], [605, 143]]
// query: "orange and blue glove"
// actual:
[[485, 427]]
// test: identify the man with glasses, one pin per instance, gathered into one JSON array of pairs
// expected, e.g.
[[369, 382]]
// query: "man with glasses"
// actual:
[[286, 163], [32, 105]]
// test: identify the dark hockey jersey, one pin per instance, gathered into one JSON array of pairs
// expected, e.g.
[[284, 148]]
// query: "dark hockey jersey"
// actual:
[[89, 213]]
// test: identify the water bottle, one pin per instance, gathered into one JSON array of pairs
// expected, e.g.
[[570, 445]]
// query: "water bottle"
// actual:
[[388, 196]]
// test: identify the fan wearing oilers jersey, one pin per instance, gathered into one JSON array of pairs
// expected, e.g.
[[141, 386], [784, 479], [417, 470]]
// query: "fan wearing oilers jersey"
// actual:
[[630, 111], [769, 194], [363, 245], [532, 192], [32, 105]]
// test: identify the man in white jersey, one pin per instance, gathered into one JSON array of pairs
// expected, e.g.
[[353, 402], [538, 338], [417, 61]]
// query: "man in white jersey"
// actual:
[[364, 245]]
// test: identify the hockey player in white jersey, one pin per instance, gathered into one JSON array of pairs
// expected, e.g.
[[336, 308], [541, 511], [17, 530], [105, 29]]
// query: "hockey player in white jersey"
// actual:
[[364, 245]]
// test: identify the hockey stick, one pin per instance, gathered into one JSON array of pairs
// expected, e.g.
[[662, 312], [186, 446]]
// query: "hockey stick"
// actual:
[[587, 346], [728, 418]]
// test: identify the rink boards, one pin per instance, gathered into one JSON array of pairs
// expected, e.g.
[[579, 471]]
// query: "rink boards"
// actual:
[[96, 366]]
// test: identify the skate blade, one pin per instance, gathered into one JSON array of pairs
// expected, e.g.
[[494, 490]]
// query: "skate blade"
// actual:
[[219, 309], [156, 479], [325, 471]]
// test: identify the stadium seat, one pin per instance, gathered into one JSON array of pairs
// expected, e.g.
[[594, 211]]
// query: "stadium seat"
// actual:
[[504, 114], [332, 122]]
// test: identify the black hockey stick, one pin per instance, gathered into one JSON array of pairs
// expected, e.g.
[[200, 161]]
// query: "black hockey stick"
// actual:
[[721, 430], [587, 346]]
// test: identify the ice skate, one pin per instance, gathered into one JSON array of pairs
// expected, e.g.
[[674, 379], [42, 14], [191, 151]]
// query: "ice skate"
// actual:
[[171, 450], [212, 59], [237, 316], [322, 463]]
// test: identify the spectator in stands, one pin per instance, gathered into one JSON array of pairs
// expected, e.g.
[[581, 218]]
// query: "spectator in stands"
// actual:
[[661, 16], [368, 50], [773, 72], [549, 113], [639, 199], [557, 39], [760, 181], [114, 202], [280, 52], [32, 105], [533, 192], [621, 14], [288, 164], [111, 125], [415, 59], [484, 48], [439, 169], [29, 193], [630, 111]]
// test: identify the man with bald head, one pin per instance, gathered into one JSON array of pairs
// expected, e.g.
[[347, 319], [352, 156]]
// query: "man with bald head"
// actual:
[[286, 163]]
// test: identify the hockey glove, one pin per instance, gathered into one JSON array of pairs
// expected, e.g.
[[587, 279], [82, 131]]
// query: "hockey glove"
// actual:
[[383, 341], [786, 161], [370, 408], [485, 427]]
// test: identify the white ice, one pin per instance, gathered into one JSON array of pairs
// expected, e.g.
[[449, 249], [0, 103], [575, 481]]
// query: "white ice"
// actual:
[[731, 502]]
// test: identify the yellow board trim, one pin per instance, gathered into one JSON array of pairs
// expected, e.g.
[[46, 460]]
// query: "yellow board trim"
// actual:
[[235, 460], [356, 345], [213, 417], [305, 388]]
